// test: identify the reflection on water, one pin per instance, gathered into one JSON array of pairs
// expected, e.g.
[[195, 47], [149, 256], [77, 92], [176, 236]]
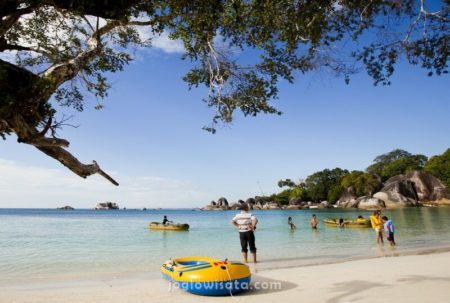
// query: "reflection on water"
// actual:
[[43, 243]]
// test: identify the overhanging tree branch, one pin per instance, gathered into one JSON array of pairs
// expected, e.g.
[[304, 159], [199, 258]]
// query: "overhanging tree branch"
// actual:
[[54, 147], [59, 39]]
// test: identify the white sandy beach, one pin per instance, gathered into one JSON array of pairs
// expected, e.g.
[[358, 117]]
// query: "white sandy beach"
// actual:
[[413, 278]]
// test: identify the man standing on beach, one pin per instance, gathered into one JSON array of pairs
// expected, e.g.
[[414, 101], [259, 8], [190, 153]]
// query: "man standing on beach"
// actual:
[[246, 223]]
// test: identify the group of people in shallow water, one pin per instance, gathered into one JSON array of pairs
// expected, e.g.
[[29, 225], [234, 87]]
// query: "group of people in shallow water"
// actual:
[[382, 222], [378, 222], [246, 223], [313, 222], [341, 222]]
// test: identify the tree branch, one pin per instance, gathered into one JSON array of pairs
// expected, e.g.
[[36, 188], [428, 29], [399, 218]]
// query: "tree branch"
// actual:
[[72, 163], [54, 147], [60, 73], [6, 46], [48, 125], [11, 19]]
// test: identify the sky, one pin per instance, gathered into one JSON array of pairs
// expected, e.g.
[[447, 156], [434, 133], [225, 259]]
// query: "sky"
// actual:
[[149, 137]]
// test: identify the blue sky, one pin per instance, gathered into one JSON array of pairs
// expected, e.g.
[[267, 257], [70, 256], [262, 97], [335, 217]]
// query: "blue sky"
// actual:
[[149, 137]]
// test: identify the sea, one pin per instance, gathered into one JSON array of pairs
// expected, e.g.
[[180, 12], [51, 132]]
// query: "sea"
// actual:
[[48, 244]]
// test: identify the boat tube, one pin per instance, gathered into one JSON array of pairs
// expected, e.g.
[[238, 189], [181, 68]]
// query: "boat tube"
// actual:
[[207, 276], [169, 226], [358, 223]]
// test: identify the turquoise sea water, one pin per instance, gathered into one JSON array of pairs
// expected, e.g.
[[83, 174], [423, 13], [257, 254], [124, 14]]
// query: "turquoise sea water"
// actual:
[[47, 244]]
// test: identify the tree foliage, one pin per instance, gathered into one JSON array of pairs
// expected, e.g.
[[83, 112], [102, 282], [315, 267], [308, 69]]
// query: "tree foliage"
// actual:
[[66, 49], [299, 192], [329, 184], [396, 162], [282, 197], [326, 184], [286, 182], [364, 184], [439, 166], [294, 191]]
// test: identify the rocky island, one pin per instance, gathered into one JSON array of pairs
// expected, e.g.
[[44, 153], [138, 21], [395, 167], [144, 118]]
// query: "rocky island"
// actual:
[[106, 206], [396, 179], [264, 203], [417, 188], [66, 207]]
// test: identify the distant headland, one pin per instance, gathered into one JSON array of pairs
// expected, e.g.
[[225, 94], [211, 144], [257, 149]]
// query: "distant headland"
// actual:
[[396, 179]]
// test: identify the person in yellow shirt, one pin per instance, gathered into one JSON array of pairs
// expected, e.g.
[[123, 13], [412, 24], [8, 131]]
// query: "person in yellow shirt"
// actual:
[[377, 225]]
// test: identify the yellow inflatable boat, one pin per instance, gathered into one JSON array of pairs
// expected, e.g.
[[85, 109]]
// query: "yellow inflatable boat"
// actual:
[[170, 226], [207, 276], [358, 223]]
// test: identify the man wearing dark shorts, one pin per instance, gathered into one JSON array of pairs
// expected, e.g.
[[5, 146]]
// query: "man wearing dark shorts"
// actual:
[[246, 223]]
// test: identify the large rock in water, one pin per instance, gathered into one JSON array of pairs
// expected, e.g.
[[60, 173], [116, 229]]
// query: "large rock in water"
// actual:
[[235, 206], [398, 193], [348, 198], [262, 200], [370, 203], [429, 188], [295, 202], [324, 204], [409, 189], [222, 202], [294, 207], [250, 202], [271, 205]]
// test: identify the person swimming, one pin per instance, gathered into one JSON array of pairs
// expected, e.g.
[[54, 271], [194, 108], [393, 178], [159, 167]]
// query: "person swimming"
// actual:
[[314, 222], [291, 224]]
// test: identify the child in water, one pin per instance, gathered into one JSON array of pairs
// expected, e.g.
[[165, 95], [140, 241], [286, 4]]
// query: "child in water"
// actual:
[[314, 222], [291, 224], [389, 229]]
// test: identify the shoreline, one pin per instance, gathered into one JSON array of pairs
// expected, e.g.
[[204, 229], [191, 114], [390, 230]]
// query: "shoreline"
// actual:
[[391, 253], [261, 267], [401, 278]]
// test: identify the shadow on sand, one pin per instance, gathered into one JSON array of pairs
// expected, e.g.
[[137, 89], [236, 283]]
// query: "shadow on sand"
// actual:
[[262, 285], [351, 288], [417, 278]]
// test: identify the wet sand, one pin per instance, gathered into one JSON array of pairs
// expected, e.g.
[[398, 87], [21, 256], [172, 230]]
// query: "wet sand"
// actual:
[[421, 276]]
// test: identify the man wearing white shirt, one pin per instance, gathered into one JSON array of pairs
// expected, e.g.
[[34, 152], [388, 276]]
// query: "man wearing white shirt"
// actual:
[[246, 223]]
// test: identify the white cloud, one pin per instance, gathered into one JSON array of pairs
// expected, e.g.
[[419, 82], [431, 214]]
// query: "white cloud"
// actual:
[[164, 43], [31, 186], [161, 41]]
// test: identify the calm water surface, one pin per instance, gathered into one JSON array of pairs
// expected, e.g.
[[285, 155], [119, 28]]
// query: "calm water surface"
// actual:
[[45, 244]]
